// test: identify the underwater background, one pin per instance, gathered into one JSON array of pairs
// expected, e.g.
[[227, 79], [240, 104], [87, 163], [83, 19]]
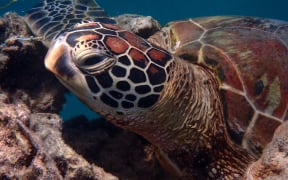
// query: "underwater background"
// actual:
[[163, 11]]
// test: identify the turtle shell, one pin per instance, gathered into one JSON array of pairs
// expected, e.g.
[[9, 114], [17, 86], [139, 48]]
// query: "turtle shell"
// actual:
[[250, 59]]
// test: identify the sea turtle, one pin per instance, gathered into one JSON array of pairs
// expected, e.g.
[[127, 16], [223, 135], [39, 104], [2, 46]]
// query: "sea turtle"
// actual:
[[208, 93]]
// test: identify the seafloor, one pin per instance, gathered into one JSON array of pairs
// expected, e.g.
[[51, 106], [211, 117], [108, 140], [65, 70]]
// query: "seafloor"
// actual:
[[36, 144]]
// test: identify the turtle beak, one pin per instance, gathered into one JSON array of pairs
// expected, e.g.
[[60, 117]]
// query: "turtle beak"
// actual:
[[58, 60]]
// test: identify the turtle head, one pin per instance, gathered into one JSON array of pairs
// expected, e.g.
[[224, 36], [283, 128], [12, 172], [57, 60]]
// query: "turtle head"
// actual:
[[110, 69]]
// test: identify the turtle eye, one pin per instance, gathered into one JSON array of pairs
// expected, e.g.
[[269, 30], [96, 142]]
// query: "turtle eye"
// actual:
[[95, 63]]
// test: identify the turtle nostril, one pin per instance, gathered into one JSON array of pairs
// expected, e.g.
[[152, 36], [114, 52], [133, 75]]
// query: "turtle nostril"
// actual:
[[92, 60]]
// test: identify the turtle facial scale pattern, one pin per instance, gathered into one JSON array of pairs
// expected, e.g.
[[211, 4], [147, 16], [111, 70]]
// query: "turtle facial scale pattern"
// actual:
[[109, 67], [50, 18]]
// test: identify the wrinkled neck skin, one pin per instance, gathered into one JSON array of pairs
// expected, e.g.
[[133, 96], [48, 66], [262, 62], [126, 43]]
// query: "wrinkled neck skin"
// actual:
[[187, 126]]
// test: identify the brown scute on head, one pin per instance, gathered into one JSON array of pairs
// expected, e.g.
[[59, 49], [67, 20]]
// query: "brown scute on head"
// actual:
[[89, 37], [77, 36], [134, 40], [159, 57], [115, 44], [138, 57]]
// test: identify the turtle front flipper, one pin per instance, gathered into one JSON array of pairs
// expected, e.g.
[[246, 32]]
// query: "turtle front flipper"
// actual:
[[49, 18]]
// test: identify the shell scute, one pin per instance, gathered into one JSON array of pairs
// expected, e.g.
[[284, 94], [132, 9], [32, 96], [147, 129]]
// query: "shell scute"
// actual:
[[256, 55], [221, 63], [262, 130], [237, 119], [250, 58], [189, 52], [181, 31]]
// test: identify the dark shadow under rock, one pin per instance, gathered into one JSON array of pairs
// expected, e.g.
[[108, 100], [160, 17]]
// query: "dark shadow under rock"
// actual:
[[122, 153]]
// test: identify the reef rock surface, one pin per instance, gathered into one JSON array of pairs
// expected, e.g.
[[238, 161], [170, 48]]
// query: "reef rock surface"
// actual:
[[31, 147], [273, 164]]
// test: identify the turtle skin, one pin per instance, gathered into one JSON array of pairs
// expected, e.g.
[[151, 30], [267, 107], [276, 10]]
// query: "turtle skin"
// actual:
[[208, 93]]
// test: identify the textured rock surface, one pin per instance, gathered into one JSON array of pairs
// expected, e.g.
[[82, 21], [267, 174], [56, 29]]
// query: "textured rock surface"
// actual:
[[31, 147], [141, 25], [22, 74], [273, 164]]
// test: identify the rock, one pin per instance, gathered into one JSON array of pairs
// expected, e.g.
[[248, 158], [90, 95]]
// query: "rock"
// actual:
[[273, 164], [144, 26], [22, 72], [31, 147]]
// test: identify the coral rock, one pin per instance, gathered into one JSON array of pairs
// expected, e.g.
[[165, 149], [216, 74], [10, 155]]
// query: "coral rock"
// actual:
[[273, 164], [31, 147]]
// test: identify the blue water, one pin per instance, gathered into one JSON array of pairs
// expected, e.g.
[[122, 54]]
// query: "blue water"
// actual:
[[165, 11]]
